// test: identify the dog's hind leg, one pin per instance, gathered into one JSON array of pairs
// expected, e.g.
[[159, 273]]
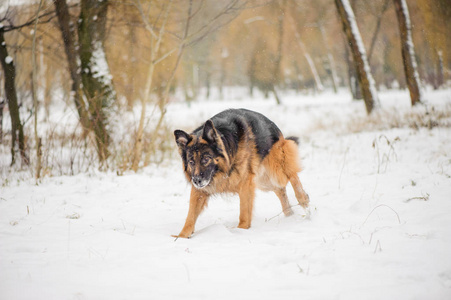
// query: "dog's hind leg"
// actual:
[[301, 195], [282, 194]]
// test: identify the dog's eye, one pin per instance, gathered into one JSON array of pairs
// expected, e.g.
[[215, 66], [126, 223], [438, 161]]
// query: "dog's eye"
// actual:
[[205, 160], [191, 162]]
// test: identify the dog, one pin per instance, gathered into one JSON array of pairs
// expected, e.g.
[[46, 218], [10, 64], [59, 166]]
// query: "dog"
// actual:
[[237, 151]]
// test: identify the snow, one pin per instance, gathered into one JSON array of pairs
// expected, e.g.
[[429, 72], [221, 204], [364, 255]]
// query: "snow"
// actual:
[[8, 59], [379, 229], [99, 65]]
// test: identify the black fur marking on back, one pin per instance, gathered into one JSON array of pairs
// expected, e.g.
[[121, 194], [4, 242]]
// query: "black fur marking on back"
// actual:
[[232, 125]]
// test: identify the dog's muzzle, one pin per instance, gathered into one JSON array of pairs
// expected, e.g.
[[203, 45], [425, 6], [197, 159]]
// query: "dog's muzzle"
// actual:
[[199, 182]]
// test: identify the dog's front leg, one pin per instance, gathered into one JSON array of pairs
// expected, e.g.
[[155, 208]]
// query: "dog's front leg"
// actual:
[[197, 202], [247, 195]]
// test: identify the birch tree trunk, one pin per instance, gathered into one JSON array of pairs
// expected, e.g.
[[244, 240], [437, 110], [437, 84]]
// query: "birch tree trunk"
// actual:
[[96, 76], [9, 70], [277, 71], [364, 76], [376, 30], [408, 51], [330, 59], [2, 104], [34, 83], [311, 64]]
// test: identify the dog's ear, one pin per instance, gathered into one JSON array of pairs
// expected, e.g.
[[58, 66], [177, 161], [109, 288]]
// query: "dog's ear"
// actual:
[[209, 132], [182, 138]]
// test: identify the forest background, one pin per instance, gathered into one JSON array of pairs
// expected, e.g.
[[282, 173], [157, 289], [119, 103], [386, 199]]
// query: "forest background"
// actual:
[[107, 59]]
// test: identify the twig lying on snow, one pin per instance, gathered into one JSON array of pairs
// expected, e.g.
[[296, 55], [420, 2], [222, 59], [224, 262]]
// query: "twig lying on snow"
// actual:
[[397, 215], [425, 198]]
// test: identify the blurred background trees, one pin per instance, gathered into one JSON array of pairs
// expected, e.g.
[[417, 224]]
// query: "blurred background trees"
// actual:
[[95, 56]]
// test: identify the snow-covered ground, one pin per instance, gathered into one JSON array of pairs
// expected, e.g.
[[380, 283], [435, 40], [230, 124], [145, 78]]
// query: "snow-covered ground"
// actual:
[[380, 226]]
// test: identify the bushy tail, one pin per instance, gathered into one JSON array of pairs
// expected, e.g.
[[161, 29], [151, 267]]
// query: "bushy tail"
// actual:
[[294, 139]]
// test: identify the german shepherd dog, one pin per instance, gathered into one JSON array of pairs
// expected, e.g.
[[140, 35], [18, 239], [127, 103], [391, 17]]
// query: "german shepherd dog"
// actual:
[[237, 151]]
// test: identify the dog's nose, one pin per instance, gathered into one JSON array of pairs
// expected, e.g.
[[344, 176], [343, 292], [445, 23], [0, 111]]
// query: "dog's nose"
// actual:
[[197, 180]]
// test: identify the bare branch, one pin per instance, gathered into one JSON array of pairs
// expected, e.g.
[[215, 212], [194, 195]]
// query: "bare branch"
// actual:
[[50, 14], [378, 26], [147, 25], [230, 7], [164, 56]]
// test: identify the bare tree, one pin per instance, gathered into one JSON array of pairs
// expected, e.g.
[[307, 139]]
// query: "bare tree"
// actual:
[[34, 95], [408, 51], [2, 105], [330, 58], [308, 58], [186, 39], [68, 35], [95, 74], [9, 70], [378, 27], [352, 32], [156, 38], [278, 61]]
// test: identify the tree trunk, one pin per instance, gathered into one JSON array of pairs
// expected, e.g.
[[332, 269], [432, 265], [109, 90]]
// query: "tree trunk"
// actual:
[[330, 59], [277, 71], [364, 76], [67, 33], [351, 70], [440, 70], [2, 105], [155, 42], [408, 51], [318, 83], [34, 83], [96, 77], [376, 30], [9, 70]]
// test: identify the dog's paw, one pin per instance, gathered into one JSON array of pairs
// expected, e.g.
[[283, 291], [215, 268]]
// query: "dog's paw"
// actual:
[[244, 225], [182, 235], [305, 201]]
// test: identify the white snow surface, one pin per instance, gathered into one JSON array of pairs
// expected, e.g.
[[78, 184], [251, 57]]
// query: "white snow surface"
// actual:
[[380, 226]]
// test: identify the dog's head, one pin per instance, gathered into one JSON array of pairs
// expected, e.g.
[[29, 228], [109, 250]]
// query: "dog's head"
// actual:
[[203, 154]]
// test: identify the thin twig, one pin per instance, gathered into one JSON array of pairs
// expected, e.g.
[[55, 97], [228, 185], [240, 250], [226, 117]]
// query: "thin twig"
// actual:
[[425, 198], [147, 25], [380, 205]]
